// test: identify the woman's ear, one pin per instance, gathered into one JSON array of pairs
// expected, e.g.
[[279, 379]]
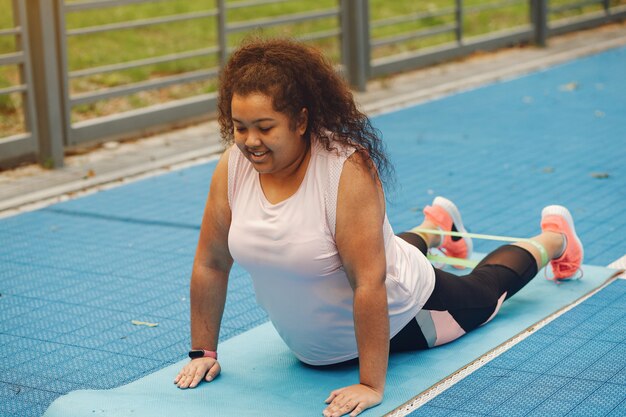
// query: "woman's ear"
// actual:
[[303, 121]]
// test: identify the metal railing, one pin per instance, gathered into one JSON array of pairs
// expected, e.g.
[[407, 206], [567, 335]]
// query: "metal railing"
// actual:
[[137, 120], [367, 46], [14, 147]]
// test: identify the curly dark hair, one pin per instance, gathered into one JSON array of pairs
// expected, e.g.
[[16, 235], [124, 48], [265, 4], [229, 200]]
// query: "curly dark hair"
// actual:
[[299, 76]]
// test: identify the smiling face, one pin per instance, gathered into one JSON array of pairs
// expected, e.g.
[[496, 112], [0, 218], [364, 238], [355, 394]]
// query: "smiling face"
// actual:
[[266, 137]]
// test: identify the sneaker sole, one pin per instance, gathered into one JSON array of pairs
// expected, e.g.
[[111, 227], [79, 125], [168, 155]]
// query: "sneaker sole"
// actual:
[[564, 212], [456, 219]]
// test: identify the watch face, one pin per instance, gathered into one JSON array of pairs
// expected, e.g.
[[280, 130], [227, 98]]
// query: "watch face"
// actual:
[[196, 354]]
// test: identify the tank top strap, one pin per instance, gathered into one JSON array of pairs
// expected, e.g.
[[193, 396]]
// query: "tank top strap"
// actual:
[[235, 159], [336, 158]]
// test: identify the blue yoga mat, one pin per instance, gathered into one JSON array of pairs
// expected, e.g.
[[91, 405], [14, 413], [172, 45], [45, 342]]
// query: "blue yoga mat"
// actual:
[[262, 378]]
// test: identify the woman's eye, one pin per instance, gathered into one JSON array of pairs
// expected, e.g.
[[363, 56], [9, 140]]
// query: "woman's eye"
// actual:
[[265, 129], [240, 129]]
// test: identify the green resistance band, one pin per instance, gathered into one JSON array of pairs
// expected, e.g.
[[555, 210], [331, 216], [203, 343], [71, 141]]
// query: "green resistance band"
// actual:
[[468, 263]]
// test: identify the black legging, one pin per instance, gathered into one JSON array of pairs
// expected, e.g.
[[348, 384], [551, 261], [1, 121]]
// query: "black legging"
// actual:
[[469, 300]]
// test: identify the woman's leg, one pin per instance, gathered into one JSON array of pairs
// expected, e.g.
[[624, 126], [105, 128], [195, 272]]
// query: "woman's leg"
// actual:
[[422, 241], [460, 304]]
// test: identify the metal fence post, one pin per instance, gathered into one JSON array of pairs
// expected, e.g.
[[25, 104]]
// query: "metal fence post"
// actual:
[[44, 50], [459, 21], [539, 19], [222, 40], [355, 42]]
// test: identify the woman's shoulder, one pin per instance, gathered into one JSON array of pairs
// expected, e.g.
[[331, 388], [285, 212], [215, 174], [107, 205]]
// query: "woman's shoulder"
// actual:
[[332, 147]]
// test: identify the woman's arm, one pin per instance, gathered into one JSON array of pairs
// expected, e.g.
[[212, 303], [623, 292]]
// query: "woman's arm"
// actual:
[[209, 280], [359, 236]]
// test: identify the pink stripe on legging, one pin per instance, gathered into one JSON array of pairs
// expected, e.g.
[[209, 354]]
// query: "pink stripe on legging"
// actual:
[[500, 301], [448, 329]]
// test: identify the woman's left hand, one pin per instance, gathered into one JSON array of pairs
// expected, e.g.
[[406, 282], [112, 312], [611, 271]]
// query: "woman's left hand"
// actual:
[[353, 399]]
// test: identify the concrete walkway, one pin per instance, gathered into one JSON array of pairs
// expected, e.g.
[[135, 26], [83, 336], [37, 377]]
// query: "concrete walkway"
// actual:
[[31, 187]]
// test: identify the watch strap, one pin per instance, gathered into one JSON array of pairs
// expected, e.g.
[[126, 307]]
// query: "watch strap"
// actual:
[[202, 353]]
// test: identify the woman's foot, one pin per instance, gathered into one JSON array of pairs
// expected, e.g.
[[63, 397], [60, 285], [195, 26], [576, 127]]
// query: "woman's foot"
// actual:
[[446, 216], [558, 219]]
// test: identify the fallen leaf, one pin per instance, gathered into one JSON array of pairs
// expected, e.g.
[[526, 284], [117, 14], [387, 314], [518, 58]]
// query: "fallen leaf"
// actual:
[[144, 323], [569, 87], [600, 175], [111, 145]]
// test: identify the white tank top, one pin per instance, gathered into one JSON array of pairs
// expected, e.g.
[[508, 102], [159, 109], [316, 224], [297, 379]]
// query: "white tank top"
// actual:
[[290, 252]]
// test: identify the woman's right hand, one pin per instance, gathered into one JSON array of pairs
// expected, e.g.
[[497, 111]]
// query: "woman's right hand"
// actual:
[[196, 370]]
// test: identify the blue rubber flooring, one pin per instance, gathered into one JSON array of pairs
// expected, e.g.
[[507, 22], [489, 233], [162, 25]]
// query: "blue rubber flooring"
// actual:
[[575, 366], [75, 275]]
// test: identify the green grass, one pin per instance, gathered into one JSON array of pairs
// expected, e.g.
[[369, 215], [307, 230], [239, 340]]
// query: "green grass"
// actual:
[[107, 48]]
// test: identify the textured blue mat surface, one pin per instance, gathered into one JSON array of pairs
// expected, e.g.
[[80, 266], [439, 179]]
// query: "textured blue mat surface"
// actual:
[[258, 368], [73, 276], [576, 366]]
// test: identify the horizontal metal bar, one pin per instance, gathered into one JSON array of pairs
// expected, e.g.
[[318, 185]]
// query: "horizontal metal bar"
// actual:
[[142, 23], [142, 86], [138, 121], [437, 30], [11, 31], [429, 56], [13, 89], [319, 35], [411, 18], [142, 62], [101, 4], [589, 20], [491, 6], [280, 20], [17, 147], [579, 5], [242, 4], [12, 59]]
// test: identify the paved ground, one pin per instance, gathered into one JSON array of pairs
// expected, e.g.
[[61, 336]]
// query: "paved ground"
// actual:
[[30, 187]]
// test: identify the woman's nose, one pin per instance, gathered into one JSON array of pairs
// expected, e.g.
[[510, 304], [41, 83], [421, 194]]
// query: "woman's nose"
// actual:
[[252, 138]]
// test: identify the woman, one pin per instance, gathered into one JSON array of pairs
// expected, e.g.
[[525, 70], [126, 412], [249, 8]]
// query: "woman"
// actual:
[[298, 202]]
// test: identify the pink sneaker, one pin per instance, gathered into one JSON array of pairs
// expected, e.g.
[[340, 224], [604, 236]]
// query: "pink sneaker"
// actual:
[[446, 216], [558, 219]]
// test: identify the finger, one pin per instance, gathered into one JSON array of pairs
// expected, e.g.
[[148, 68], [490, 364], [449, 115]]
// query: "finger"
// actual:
[[343, 409], [330, 412], [186, 381], [338, 406], [213, 372], [332, 396], [357, 410], [182, 373], [181, 381], [197, 377]]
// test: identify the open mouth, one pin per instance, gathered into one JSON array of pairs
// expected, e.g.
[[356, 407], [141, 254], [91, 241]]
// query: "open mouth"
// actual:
[[258, 156]]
